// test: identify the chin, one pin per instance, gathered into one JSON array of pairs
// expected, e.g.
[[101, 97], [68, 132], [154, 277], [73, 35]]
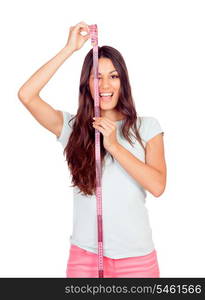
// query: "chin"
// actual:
[[107, 107]]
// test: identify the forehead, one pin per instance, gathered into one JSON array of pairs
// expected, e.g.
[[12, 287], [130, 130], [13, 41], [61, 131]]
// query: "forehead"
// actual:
[[105, 66]]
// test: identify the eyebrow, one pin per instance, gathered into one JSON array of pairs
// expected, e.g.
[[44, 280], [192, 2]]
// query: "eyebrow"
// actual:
[[109, 73]]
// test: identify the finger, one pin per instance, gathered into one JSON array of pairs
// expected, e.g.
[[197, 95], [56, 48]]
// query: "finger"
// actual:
[[103, 123], [100, 125], [99, 128], [86, 36], [108, 122], [81, 28], [83, 25], [106, 119], [82, 22]]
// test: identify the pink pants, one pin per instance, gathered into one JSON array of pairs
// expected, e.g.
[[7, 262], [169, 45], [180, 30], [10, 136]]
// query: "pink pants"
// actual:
[[83, 263]]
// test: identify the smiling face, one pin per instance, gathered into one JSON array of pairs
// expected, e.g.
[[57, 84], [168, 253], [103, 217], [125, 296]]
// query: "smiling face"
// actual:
[[109, 82]]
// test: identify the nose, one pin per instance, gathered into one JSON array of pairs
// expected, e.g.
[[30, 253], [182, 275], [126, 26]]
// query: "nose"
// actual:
[[104, 83]]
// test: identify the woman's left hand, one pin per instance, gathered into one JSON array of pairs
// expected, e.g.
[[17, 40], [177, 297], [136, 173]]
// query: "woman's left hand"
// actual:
[[108, 129]]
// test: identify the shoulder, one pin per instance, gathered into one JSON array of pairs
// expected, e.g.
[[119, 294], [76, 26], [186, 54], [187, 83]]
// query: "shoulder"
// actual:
[[148, 127], [147, 120]]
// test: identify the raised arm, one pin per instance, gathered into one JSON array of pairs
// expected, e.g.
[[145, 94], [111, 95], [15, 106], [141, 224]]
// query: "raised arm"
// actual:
[[44, 113]]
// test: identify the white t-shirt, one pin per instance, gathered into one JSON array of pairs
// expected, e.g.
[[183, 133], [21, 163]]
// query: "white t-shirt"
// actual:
[[126, 228]]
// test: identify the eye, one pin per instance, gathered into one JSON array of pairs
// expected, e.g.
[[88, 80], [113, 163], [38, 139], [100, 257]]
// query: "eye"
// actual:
[[115, 76]]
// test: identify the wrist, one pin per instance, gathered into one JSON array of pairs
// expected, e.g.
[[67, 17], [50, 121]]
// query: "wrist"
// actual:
[[113, 148], [67, 50]]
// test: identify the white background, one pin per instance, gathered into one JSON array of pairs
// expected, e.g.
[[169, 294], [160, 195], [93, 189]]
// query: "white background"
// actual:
[[163, 45]]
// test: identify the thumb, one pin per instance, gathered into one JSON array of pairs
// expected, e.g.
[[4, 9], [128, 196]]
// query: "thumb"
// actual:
[[87, 36]]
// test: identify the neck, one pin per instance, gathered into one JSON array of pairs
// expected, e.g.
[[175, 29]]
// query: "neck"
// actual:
[[112, 115]]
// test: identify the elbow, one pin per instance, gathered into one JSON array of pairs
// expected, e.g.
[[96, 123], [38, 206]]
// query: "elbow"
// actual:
[[160, 187], [159, 191], [158, 194], [21, 95]]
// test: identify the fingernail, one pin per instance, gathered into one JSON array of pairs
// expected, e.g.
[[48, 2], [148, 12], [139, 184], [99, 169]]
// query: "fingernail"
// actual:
[[94, 118]]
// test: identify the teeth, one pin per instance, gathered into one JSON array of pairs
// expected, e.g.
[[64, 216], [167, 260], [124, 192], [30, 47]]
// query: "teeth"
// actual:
[[106, 94]]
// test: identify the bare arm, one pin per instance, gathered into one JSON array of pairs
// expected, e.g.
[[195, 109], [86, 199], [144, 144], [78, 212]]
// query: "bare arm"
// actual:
[[38, 80], [44, 113]]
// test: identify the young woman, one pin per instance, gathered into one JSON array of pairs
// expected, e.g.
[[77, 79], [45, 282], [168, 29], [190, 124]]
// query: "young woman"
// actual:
[[133, 161]]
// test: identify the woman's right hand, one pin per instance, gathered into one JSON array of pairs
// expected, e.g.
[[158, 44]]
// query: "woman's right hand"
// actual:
[[75, 39]]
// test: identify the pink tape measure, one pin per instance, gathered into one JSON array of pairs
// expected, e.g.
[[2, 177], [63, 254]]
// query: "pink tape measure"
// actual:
[[94, 41]]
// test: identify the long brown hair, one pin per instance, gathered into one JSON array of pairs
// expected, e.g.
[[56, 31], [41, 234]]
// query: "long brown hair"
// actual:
[[80, 149]]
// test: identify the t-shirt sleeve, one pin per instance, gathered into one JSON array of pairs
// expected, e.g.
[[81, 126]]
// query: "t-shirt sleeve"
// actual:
[[151, 128], [66, 129]]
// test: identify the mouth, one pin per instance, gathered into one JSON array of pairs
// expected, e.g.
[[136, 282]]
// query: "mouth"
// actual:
[[106, 97]]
